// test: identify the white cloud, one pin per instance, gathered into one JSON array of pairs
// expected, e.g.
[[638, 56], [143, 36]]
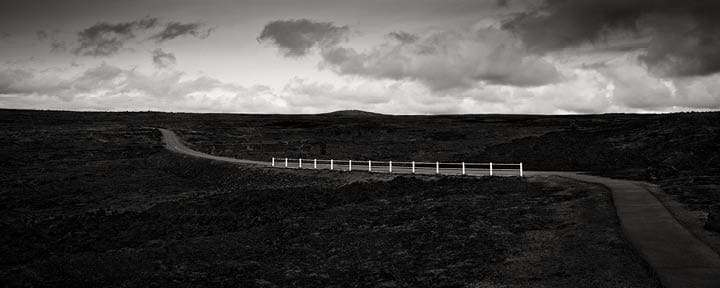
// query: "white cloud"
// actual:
[[162, 59], [445, 60], [619, 85], [108, 87], [697, 92]]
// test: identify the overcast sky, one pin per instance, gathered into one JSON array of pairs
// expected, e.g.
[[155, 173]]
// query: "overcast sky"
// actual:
[[387, 56]]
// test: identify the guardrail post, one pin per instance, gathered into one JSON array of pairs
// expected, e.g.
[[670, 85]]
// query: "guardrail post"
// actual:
[[437, 167], [314, 163], [286, 162], [369, 166], [521, 169], [331, 164], [490, 168], [390, 166], [273, 161], [463, 168], [413, 167], [349, 165], [300, 163]]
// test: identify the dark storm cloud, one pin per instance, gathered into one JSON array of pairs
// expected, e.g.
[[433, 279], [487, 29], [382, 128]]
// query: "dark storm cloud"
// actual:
[[446, 61], [403, 37], [442, 61], [56, 45], [296, 38], [103, 39], [684, 35], [162, 59], [173, 30], [41, 34]]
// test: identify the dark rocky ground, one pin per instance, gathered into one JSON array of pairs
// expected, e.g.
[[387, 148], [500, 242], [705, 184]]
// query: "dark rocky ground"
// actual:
[[680, 152], [92, 199]]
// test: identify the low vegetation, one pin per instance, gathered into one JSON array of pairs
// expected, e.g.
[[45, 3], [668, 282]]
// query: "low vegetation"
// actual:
[[679, 151], [92, 199]]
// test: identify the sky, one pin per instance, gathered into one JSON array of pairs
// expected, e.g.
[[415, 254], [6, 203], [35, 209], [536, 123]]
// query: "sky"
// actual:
[[385, 56]]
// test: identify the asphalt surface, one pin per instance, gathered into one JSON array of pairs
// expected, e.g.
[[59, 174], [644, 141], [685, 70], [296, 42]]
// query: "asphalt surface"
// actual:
[[173, 143], [676, 255]]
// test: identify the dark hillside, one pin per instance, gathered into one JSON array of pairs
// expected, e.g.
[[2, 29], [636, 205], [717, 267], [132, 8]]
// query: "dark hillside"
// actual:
[[679, 151], [94, 200], [351, 113]]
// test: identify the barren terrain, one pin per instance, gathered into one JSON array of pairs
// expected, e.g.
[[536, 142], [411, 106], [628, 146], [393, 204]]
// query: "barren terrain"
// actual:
[[679, 152], [93, 199]]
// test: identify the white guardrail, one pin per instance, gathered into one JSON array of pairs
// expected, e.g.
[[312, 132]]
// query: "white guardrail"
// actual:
[[462, 168]]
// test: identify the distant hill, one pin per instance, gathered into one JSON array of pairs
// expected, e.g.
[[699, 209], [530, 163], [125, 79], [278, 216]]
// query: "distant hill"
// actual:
[[354, 113]]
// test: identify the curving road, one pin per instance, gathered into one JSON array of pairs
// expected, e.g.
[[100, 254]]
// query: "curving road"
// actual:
[[173, 143], [675, 254]]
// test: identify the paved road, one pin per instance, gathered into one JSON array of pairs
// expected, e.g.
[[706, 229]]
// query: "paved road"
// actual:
[[173, 143], [676, 255], [678, 258]]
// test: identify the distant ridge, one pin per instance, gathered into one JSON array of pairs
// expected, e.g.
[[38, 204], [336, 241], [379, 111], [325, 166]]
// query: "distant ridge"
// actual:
[[354, 113]]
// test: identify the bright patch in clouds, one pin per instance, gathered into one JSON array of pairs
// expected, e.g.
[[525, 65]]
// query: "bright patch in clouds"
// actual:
[[489, 57]]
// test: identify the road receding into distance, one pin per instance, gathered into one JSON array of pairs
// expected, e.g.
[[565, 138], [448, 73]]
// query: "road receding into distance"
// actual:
[[675, 254], [173, 143]]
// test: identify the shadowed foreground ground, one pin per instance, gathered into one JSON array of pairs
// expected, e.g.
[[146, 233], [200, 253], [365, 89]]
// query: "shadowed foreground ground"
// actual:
[[678, 257], [103, 204]]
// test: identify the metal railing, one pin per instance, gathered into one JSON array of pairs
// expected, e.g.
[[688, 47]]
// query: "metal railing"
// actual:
[[412, 167]]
